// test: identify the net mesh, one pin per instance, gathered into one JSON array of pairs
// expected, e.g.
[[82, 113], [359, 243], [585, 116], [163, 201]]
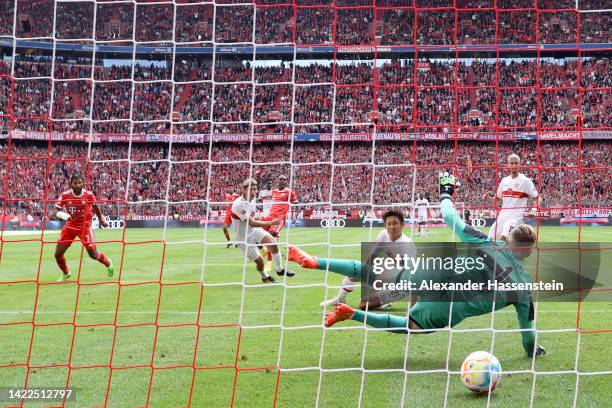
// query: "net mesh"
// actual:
[[458, 85]]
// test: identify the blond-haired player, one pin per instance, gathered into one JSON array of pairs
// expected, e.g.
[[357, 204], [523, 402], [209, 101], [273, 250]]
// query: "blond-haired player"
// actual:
[[514, 190], [249, 233]]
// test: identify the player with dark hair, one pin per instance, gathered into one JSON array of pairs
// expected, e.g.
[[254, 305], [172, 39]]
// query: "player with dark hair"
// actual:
[[427, 316], [75, 206], [393, 220], [279, 202]]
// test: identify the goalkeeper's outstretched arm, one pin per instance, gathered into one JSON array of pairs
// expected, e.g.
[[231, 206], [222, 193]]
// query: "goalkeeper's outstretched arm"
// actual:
[[467, 233], [524, 312]]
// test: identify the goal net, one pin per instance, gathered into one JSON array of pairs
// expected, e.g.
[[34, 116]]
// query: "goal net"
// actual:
[[165, 107]]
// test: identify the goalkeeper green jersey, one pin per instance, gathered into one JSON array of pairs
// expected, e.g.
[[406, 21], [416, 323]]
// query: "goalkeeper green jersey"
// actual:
[[501, 265]]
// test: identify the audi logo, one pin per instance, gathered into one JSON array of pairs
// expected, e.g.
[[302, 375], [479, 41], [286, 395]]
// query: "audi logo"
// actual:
[[335, 223], [115, 224], [479, 222]]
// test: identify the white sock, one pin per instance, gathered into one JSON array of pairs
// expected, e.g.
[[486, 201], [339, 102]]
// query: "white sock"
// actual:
[[276, 260], [348, 285]]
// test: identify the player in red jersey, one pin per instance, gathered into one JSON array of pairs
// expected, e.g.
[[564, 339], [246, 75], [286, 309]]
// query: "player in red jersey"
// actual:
[[75, 206], [227, 221], [281, 198]]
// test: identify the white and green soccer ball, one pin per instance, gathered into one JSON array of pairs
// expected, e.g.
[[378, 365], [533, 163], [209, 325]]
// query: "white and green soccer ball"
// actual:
[[481, 372]]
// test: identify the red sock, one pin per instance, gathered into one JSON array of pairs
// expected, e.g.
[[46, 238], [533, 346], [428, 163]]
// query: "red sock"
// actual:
[[103, 259], [61, 262]]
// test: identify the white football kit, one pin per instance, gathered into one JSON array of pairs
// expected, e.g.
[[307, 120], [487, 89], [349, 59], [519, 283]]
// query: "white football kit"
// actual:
[[247, 237], [405, 247], [421, 205], [514, 193]]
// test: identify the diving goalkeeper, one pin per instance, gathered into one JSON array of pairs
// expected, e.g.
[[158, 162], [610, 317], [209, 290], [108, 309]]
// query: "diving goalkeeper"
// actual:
[[424, 316]]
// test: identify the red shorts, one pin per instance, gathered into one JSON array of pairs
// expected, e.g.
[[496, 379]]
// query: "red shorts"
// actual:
[[274, 230], [86, 236], [228, 218]]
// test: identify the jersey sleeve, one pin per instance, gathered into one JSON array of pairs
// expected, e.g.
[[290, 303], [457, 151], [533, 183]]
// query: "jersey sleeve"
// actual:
[[524, 313], [531, 189], [91, 198], [498, 194], [61, 202], [463, 231], [293, 197]]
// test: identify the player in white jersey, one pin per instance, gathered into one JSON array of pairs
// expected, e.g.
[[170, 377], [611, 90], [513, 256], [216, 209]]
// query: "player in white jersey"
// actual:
[[265, 198], [421, 204], [394, 224], [249, 234], [514, 191]]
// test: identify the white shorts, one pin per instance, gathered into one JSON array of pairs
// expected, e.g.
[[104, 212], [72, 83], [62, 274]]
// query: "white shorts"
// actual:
[[250, 248], [422, 218], [496, 232]]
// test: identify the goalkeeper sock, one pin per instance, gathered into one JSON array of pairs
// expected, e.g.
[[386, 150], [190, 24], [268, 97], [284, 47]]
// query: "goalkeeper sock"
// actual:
[[103, 259], [276, 259], [346, 267], [61, 262], [381, 321]]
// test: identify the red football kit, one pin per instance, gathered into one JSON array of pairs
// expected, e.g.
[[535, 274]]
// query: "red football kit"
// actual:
[[279, 209], [228, 210], [79, 224]]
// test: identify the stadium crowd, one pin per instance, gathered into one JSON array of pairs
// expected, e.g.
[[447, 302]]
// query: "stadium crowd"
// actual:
[[438, 22], [383, 173], [525, 93]]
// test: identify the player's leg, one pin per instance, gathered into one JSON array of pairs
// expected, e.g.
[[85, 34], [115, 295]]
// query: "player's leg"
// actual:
[[227, 234], [66, 238], [60, 260], [346, 267], [259, 265], [266, 254], [265, 251], [395, 324], [347, 287], [252, 254], [270, 242], [89, 242]]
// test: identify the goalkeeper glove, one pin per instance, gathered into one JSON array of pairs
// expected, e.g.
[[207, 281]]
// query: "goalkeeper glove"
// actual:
[[447, 186], [539, 351]]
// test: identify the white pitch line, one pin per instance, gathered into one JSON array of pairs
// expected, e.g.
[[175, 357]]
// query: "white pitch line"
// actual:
[[16, 233]]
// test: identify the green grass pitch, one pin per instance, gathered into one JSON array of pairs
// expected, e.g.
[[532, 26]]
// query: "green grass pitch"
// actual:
[[281, 325]]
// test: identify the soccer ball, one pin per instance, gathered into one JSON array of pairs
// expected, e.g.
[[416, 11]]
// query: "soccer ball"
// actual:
[[481, 371]]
